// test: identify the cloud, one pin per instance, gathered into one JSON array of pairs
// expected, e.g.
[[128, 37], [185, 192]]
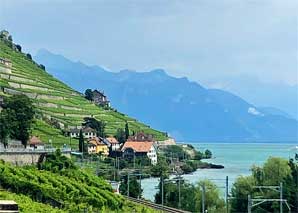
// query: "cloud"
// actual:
[[200, 39]]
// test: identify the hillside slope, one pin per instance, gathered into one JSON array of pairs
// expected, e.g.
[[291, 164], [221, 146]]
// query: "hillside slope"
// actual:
[[56, 100], [183, 108]]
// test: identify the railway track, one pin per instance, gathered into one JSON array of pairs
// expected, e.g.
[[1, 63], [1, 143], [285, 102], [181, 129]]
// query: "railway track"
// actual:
[[156, 206]]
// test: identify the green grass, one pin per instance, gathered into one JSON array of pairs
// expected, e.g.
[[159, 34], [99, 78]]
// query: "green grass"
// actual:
[[24, 68]]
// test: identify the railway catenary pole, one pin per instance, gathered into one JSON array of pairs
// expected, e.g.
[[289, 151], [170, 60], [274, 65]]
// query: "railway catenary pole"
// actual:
[[280, 197], [203, 198], [227, 193]]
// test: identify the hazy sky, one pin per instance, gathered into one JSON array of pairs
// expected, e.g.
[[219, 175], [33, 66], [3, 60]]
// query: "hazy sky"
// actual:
[[201, 39]]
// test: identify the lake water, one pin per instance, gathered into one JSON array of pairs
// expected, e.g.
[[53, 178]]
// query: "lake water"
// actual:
[[237, 159]]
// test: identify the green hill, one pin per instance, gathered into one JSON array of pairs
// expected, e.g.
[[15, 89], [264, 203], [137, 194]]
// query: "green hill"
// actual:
[[55, 100]]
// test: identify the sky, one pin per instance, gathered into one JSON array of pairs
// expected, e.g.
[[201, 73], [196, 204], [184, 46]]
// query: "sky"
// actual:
[[210, 42]]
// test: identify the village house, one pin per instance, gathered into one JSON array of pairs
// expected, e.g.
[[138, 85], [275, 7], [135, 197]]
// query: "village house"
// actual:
[[100, 99], [141, 136], [5, 62], [96, 145], [87, 132], [114, 143], [132, 149], [36, 143]]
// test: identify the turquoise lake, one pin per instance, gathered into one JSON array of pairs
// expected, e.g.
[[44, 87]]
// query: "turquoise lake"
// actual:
[[237, 159]]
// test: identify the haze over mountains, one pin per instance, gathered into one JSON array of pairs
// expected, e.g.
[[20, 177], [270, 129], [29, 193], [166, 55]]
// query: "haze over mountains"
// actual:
[[183, 108]]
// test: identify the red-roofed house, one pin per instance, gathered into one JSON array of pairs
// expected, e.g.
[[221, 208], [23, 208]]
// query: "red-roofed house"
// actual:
[[141, 136], [140, 148], [36, 143]]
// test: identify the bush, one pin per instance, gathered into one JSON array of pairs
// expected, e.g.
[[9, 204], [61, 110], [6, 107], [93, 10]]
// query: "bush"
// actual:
[[28, 55], [19, 47]]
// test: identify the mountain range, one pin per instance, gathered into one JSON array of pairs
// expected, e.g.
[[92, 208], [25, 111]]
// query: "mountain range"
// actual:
[[185, 109]]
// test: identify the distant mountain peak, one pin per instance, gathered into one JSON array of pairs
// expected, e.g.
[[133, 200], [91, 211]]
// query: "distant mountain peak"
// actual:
[[159, 71]]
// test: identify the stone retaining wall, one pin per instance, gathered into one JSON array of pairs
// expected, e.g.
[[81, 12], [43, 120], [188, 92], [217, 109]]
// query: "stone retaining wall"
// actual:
[[23, 158]]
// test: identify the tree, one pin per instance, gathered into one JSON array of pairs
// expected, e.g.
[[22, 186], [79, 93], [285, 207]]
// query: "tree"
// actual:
[[213, 201], [21, 113], [135, 189], [176, 151], [89, 94], [56, 162], [10, 38], [4, 128], [28, 55], [190, 196], [208, 153], [81, 141], [161, 169], [19, 47], [99, 126], [42, 67], [126, 131], [120, 136], [242, 187], [274, 171]]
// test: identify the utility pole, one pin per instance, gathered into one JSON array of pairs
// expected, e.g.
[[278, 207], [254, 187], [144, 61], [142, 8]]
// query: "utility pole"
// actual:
[[140, 177], [248, 204], [134, 160], [127, 184], [257, 201], [179, 191], [280, 197], [114, 169], [227, 193], [162, 185], [203, 197]]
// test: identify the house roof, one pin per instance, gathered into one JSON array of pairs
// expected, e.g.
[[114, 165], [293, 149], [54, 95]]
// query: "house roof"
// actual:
[[112, 140], [96, 141], [99, 93], [84, 130], [35, 141], [141, 136], [138, 146]]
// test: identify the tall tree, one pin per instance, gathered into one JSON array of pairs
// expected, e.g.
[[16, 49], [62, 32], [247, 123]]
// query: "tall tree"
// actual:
[[126, 131], [81, 141]]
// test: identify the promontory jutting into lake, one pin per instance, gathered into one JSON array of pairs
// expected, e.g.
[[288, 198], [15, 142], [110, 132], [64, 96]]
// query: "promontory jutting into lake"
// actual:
[[148, 106]]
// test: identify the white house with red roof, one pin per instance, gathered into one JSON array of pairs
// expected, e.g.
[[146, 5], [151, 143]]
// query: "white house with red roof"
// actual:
[[140, 148]]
